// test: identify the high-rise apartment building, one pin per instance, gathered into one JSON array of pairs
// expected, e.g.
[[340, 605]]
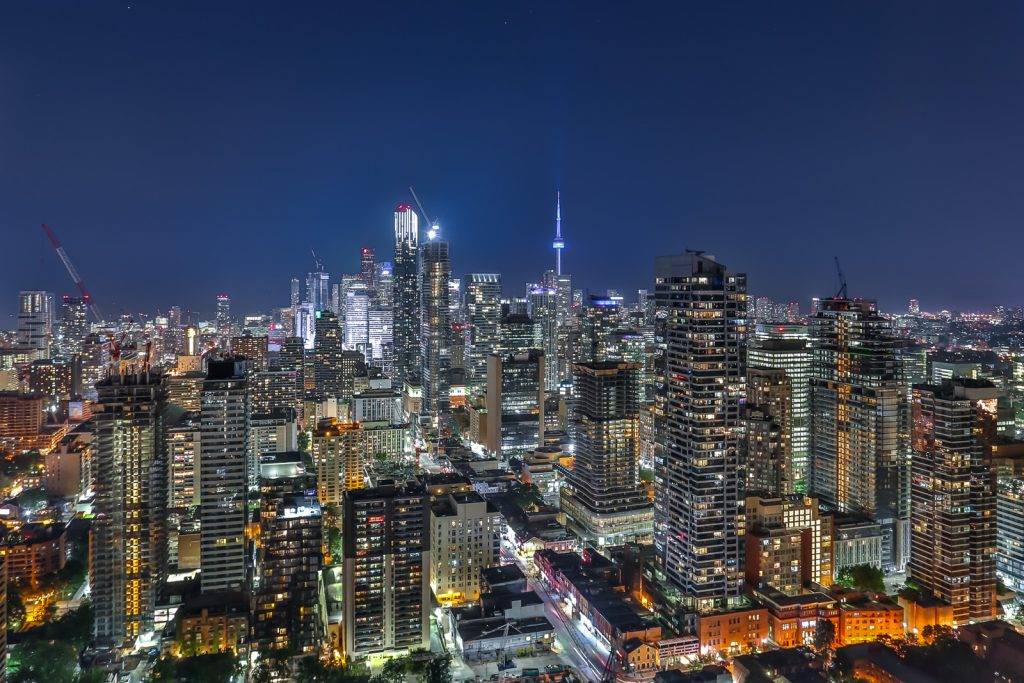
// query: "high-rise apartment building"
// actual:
[[340, 457], [72, 327], [788, 543], [768, 432], [515, 402], [543, 308], [289, 558], [786, 349], [857, 404], [953, 495], [465, 538], [318, 289], [254, 349], [35, 321], [435, 328], [697, 473], [602, 497], [387, 571], [405, 290], [129, 542], [483, 310], [223, 475], [328, 348]]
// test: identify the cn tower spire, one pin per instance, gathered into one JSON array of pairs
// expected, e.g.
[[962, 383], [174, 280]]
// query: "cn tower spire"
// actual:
[[559, 243]]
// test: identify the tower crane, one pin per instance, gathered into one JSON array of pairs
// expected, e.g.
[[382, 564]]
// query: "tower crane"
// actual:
[[841, 294], [72, 271]]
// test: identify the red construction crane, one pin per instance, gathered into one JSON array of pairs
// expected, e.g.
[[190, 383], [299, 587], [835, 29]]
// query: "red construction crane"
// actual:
[[72, 271]]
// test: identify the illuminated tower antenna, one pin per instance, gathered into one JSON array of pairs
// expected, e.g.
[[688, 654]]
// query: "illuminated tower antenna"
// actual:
[[559, 243]]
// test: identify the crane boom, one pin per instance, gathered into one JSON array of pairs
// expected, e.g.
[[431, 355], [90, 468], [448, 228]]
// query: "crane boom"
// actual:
[[842, 293], [72, 271], [420, 204]]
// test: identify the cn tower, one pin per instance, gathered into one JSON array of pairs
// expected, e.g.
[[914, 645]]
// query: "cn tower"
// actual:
[[559, 243]]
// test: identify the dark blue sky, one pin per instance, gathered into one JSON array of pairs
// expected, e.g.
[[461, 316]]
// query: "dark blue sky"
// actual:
[[192, 148]]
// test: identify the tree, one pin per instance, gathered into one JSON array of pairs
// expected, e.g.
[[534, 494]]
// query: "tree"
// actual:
[[863, 577], [15, 608], [220, 667], [824, 634], [439, 669]]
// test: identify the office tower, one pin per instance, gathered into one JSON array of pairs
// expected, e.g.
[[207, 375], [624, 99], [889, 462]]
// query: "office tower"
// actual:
[[127, 560], [543, 308], [380, 338], [318, 288], [340, 457], [357, 317], [305, 325], [382, 284], [698, 474], [602, 497], [517, 333], [788, 543], [35, 321], [405, 290], [562, 286], [387, 571], [289, 558], [465, 538], [327, 352], [785, 350], [600, 319], [515, 402], [456, 311], [225, 328], [436, 329], [953, 495], [367, 266], [857, 400], [483, 310], [73, 327], [253, 349], [183, 441], [295, 296], [793, 312], [223, 475], [913, 307], [291, 358]]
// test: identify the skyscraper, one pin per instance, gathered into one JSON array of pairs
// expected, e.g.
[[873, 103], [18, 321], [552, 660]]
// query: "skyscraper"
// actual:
[[290, 557], [224, 327], [603, 499], [367, 266], [483, 308], [328, 347], [387, 570], [857, 400], [405, 290], [515, 402], [786, 349], [129, 543], [953, 490], [73, 327], [698, 475], [543, 308], [436, 329], [35, 321], [223, 475], [318, 288]]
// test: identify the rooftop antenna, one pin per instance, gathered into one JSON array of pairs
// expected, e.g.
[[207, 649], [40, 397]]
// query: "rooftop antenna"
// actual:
[[841, 294]]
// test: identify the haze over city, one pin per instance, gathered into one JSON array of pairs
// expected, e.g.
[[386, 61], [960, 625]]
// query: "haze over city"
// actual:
[[225, 141]]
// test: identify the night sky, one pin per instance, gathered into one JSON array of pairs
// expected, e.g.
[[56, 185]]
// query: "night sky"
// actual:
[[193, 148]]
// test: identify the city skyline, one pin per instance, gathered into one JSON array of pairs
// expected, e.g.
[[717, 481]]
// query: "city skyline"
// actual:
[[197, 155]]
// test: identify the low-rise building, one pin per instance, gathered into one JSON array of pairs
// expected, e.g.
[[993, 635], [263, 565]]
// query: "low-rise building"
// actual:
[[35, 551], [734, 631]]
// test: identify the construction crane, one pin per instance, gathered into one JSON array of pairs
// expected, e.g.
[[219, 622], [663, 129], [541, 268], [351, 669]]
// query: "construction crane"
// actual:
[[433, 226], [841, 294], [72, 271]]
